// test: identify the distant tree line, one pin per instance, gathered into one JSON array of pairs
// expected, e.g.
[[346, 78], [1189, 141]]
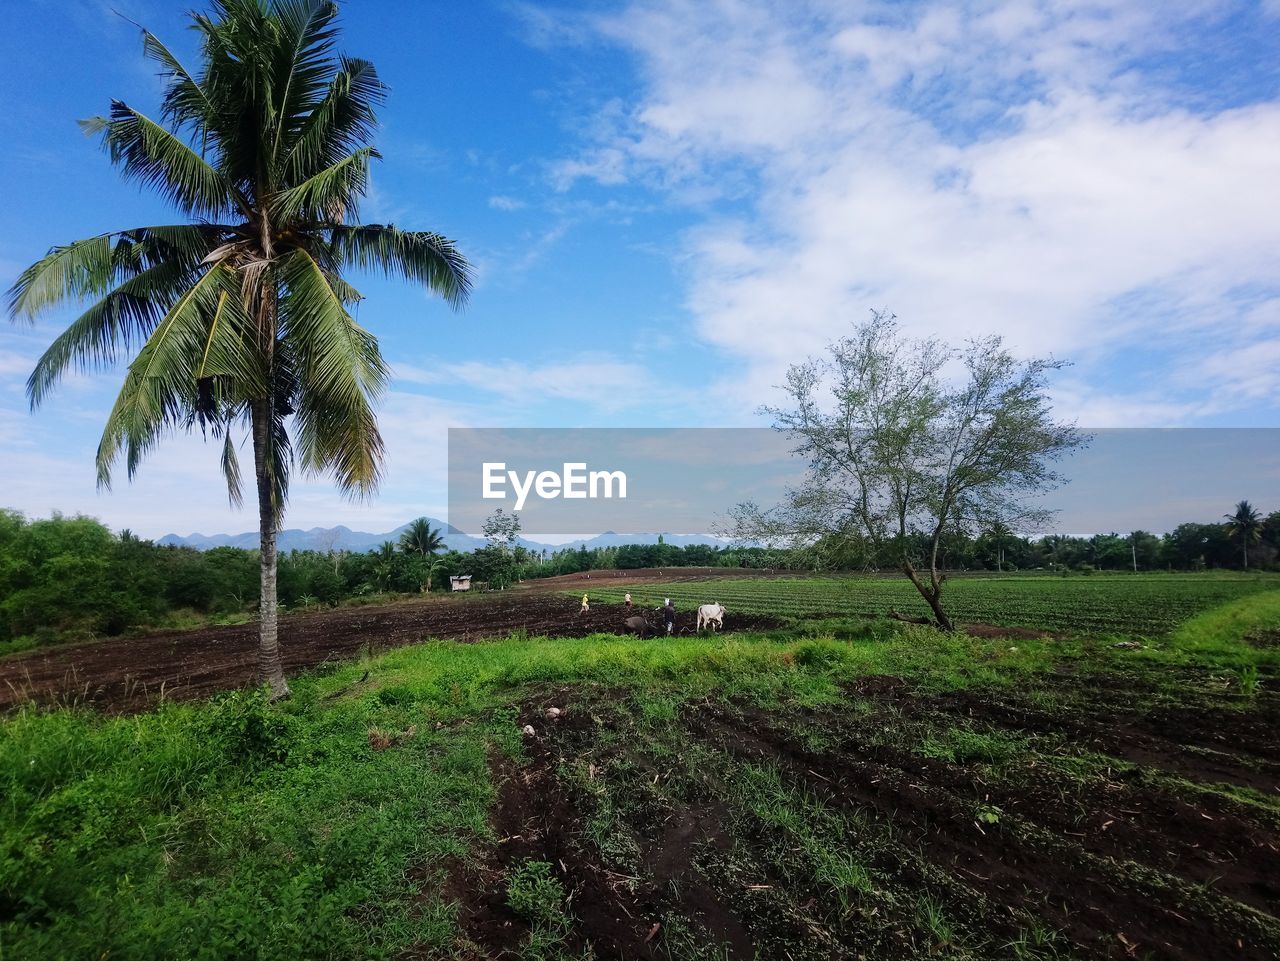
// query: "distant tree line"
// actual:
[[1188, 547], [66, 578]]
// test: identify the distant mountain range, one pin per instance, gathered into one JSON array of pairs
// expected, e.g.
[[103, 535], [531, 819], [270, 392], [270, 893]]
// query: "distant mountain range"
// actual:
[[345, 539]]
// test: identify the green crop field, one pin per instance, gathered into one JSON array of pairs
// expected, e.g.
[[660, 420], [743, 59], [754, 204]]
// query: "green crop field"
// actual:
[[1145, 604]]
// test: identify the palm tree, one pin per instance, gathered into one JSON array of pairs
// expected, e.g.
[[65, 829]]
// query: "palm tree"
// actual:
[[1245, 524], [434, 566], [999, 535], [421, 538], [424, 540], [384, 566], [237, 319]]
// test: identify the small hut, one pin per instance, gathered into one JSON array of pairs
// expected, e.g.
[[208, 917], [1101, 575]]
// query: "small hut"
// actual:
[[460, 582]]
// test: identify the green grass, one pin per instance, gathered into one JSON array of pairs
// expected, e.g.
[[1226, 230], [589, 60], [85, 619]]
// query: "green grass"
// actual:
[[1131, 604], [1218, 632], [231, 829]]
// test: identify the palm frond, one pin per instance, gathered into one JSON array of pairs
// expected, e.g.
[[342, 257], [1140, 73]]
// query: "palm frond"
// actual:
[[420, 256], [186, 103], [229, 353], [329, 195], [303, 63], [155, 156], [161, 390], [94, 266], [78, 269], [340, 123], [340, 373], [230, 465], [110, 327], [346, 293]]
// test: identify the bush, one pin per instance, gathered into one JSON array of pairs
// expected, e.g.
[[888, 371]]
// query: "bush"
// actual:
[[245, 725], [824, 655], [535, 894]]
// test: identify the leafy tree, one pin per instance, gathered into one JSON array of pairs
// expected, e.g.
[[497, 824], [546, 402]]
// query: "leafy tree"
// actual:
[[384, 565], [237, 319], [1245, 525], [435, 567], [1109, 552], [1271, 529], [998, 536], [1145, 550], [495, 562], [894, 449], [424, 541]]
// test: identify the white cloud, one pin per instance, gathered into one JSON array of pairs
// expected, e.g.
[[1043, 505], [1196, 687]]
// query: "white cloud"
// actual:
[[502, 202], [595, 379], [984, 167], [1250, 371], [15, 365]]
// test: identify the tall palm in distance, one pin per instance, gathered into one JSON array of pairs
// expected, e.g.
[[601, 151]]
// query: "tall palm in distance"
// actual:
[[1245, 524], [423, 540], [237, 319]]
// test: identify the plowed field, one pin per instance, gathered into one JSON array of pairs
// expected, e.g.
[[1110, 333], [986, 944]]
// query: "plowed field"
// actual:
[[132, 673]]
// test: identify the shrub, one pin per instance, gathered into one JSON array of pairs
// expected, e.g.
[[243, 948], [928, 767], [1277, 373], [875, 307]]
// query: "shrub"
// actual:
[[534, 893], [821, 654], [245, 725]]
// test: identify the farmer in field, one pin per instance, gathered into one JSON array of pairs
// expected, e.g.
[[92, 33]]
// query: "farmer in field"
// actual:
[[627, 600], [586, 606], [669, 615]]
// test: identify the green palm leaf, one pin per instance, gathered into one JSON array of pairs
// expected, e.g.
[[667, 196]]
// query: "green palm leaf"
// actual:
[[95, 265], [160, 387], [160, 159], [420, 256], [97, 337], [330, 194], [341, 372], [342, 120]]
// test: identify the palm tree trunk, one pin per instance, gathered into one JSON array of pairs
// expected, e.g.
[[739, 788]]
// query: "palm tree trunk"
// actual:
[[1244, 551], [270, 668]]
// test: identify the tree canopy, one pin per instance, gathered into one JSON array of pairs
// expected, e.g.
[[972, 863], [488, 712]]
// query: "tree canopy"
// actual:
[[895, 447]]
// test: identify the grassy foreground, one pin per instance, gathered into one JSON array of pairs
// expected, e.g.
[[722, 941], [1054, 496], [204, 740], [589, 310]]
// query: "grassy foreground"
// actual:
[[321, 827]]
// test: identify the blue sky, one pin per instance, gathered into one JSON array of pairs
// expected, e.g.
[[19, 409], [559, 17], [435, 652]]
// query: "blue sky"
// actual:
[[669, 201]]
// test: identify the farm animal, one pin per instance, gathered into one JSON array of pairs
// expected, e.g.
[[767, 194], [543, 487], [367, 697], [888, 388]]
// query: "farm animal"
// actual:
[[638, 626], [711, 615]]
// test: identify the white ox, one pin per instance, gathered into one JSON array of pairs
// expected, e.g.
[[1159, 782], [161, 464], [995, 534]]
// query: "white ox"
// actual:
[[711, 615]]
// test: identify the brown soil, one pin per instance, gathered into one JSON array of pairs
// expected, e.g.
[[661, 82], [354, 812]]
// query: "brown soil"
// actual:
[[1125, 863], [134, 673], [614, 915]]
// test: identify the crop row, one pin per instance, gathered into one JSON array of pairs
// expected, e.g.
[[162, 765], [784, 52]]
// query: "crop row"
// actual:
[[1138, 604]]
